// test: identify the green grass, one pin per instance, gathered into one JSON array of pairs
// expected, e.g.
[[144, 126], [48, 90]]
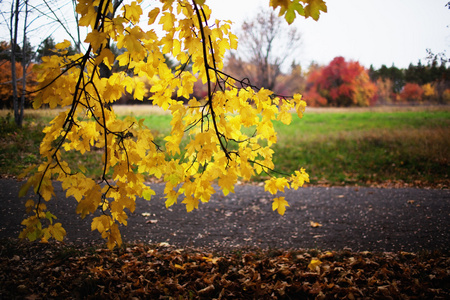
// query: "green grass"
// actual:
[[349, 147], [19, 147], [368, 147]]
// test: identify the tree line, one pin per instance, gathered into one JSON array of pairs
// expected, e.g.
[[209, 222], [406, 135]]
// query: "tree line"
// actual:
[[260, 58], [341, 83]]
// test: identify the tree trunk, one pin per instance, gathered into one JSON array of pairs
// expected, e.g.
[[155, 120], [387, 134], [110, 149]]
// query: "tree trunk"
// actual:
[[14, 29], [24, 67]]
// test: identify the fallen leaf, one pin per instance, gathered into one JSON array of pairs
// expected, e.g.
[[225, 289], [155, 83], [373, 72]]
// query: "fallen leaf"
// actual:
[[314, 224], [314, 264], [206, 290]]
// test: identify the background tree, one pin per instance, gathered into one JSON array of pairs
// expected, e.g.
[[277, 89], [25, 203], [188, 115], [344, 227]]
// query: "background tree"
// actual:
[[340, 84], [292, 83], [394, 74], [385, 91], [411, 92], [263, 50], [20, 22], [6, 84], [14, 30]]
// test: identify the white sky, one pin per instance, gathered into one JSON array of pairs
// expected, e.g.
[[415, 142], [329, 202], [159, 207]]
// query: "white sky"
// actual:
[[370, 31]]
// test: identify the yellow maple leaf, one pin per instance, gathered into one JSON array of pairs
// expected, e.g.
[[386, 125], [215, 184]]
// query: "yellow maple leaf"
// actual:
[[148, 193], [227, 181], [191, 203], [101, 223], [314, 264], [299, 178], [57, 231], [172, 197], [152, 15], [273, 185], [280, 204], [95, 38], [105, 53], [167, 20], [132, 12], [63, 45], [139, 89], [314, 7]]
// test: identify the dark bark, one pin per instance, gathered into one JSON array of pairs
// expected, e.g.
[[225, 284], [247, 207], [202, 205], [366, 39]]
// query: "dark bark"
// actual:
[[13, 34]]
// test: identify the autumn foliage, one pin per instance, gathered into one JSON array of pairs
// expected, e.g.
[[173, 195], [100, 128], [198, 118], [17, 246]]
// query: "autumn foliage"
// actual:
[[161, 272], [6, 93], [340, 83], [412, 92], [217, 146]]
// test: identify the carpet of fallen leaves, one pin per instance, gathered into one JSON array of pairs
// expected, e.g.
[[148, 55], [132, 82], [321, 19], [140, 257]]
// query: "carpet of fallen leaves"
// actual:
[[136, 271]]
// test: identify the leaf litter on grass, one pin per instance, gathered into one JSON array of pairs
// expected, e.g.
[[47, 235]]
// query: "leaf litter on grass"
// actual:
[[56, 270]]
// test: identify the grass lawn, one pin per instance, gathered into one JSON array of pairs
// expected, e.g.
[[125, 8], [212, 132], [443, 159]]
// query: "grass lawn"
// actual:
[[381, 146], [341, 148]]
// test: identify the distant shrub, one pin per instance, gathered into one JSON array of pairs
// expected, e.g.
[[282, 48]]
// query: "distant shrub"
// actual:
[[411, 92], [340, 83]]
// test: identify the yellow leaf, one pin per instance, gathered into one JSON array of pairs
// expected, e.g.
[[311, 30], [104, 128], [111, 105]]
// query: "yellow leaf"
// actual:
[[167, 21], [95, 38], [139, 89], [152, 15], [49, 216], [273, 185], [148, 193], [314, 8], [24, 189], [132, 12], [191, 203], [314, 264], [101, 223], [285, 117], [299, 178], [172, 197], [106, 53], [314, 224], [58, 232], [280, 204], [26, 171], [63, 45], [176, 49], [227, 181], [29, 205]]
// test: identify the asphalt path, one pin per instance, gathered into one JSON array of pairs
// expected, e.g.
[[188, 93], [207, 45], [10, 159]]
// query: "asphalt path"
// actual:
[[325, 218]]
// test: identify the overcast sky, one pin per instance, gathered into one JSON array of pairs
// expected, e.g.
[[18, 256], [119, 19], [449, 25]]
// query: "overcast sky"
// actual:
[[370, 31]]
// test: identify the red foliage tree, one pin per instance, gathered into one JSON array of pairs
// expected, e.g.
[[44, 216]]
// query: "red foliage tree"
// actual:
[[411, 92], [340, 83]]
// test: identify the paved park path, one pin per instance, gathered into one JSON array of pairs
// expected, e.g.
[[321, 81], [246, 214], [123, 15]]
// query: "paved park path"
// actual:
[[361, 219]]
